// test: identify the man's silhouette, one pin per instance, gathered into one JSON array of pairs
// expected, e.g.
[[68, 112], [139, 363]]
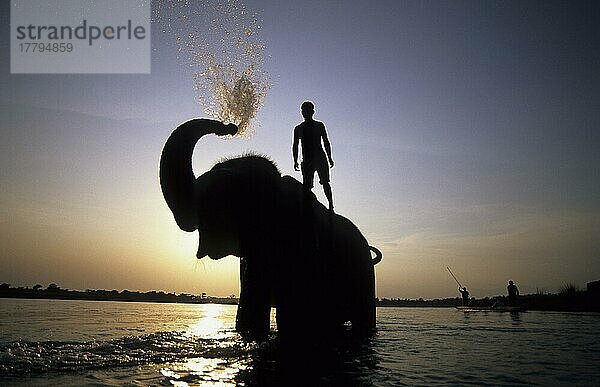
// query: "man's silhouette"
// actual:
[[310, 132], [513, 292], [465, 295]]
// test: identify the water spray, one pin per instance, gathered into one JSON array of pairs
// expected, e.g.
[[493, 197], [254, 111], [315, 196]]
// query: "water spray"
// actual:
[[220, 42]]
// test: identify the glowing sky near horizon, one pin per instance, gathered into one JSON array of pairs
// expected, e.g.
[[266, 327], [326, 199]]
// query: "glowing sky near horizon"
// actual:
[[465, 134]]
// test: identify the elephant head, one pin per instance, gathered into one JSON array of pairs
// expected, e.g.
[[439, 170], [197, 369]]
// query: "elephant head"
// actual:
[[215, 203]]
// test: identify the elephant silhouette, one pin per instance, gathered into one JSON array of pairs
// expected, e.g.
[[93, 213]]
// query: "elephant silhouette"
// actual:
[[315, 267]]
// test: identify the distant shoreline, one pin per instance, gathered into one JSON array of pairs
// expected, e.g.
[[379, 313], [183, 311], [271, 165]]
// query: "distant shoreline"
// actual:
[[572, 301], [568, 301], [56, 293], [226, 301], [211, 301]]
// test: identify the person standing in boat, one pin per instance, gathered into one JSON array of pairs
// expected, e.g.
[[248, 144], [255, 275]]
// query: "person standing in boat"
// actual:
[[513, 293], [465, 295]]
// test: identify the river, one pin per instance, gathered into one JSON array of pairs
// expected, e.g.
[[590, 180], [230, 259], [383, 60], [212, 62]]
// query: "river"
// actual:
[[56, 342]]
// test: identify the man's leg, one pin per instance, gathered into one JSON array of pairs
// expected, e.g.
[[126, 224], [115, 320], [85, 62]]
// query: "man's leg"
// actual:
[[307, 177], [323, 172], [327, 189]]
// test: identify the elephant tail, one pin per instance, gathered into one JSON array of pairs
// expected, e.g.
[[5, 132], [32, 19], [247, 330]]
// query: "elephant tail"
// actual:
[[378, 255]]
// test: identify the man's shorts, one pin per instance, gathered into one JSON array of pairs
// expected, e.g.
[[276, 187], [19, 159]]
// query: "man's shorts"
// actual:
[[308, 172]]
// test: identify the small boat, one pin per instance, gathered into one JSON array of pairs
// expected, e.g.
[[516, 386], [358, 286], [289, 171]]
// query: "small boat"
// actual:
[[491, 308]]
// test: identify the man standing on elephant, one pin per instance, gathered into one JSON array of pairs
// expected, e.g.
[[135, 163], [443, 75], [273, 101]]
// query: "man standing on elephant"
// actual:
[[310, 133]]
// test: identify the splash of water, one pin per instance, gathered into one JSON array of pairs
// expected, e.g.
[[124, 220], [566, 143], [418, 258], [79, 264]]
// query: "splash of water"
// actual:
[[220, 42]]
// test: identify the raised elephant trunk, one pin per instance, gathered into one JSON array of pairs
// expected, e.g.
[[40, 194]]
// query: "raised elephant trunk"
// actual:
[[176, 174]]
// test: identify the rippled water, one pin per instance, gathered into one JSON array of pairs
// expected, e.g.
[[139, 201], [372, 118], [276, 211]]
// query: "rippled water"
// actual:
[[114, 343]]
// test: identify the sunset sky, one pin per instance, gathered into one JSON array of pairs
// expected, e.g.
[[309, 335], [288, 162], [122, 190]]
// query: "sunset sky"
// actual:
[[465, 134]]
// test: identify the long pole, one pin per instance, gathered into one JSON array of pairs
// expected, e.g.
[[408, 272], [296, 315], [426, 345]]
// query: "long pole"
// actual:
[[453, 276]]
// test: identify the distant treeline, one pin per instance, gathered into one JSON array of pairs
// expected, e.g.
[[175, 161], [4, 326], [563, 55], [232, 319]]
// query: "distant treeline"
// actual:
[[54, 291], [569, 298]]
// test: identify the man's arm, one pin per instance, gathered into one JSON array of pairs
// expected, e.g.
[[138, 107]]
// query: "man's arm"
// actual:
[[327, 145], [295, 148]]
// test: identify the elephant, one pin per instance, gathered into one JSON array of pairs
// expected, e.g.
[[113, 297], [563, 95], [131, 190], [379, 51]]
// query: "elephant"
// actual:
[[315, 267]]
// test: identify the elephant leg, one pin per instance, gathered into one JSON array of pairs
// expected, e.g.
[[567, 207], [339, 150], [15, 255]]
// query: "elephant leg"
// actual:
[[254, 308], [363, 319], [364, 312]]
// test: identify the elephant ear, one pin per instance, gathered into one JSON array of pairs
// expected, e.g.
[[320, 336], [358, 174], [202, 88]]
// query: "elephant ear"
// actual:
[[218, 209], [214, 190]]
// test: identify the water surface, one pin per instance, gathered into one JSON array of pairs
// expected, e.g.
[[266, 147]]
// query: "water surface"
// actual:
[[115, 343]]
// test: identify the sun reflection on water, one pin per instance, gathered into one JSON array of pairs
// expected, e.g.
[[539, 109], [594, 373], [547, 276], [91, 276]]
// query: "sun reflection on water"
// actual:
[[215, 326], [216, 323], [203, 371]]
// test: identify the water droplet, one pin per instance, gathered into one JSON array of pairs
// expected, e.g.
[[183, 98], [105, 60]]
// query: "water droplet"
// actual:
[[224, 47]]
